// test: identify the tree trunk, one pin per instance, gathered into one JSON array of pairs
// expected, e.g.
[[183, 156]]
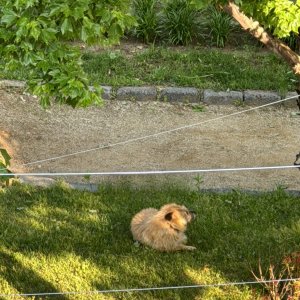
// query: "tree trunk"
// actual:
[[253, 27]]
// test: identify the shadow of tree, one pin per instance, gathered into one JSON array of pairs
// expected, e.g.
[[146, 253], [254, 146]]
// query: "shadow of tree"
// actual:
[[23, 279]]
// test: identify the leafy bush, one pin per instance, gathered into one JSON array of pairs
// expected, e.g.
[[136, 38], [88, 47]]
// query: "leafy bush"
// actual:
[[220, 25], [180, 22], [147, 19], [36, 35]]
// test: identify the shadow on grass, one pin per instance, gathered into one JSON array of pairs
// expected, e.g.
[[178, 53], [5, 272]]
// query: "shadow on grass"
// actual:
[[91, 233], [23, 279]]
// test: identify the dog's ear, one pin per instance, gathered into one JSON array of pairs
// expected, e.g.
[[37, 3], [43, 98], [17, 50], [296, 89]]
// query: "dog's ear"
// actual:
[[168, 216]]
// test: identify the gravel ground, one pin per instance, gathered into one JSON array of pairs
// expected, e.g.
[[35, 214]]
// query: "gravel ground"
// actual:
[[258, 138]]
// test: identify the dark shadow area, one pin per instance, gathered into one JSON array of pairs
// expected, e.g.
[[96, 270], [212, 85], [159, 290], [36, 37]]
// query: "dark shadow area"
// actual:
[[24, 280]]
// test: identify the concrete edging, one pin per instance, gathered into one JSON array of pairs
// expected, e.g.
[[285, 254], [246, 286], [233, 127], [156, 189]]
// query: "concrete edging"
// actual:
[[180, 94], [45, 182]]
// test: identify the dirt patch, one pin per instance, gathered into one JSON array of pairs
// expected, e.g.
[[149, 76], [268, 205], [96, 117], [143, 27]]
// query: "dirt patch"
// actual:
[[259, 138]]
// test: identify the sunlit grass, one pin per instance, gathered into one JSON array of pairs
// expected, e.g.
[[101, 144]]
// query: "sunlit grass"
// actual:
[[62, 240], [202, 68]]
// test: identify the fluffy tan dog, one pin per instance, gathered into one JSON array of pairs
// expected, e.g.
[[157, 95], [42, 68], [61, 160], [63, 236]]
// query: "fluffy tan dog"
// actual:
[[163, 229]]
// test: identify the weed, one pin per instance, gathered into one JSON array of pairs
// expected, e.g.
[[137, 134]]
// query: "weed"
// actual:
[[198, 108], [238, 103], [220, 24], [198, 180], [289, 268]]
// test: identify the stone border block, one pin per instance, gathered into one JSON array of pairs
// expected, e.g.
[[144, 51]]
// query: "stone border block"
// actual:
[[254, 97], [137, 93], [180, 94], [292, 103], [221, 97], [12, 84], [177, 94], [107, 92]]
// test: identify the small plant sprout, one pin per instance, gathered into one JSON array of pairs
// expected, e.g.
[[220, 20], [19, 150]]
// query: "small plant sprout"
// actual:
[[198, 181], [198, 108], [238, 103], [87, 178]]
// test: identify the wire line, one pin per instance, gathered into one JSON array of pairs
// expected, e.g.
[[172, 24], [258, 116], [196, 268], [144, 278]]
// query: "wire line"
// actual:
[[150, 288], [119, 173], [155, 134]]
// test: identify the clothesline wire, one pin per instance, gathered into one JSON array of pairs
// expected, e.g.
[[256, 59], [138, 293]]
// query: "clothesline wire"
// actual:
[[130, 290], [156, 172]]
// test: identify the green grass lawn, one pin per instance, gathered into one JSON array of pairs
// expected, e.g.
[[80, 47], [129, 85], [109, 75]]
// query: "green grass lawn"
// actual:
[[60, 240], [202, 68], [251, 68]]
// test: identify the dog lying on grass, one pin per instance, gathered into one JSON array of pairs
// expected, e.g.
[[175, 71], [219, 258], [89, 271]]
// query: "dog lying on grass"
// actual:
[[163, 229]]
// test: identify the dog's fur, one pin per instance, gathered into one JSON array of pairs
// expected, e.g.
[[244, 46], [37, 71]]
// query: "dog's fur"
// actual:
[[163, 229]]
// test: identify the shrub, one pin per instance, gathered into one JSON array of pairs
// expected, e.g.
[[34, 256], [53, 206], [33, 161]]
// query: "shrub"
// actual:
[[180, 22], [147, 19], [220, 25], [36, 35]]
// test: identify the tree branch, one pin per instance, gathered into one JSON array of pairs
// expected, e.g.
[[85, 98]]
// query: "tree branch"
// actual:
[[254, 28]]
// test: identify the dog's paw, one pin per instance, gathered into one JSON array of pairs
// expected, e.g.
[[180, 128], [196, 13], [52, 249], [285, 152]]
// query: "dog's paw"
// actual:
[[137, 244], [191, 248]]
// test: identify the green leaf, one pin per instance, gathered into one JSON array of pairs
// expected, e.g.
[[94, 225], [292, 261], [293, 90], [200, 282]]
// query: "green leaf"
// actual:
[[33, 35], [9, 17], [48, 35], [34, 29], [6, 157], [28, 59], [66, 26], [83, 35], [4, 170], [55, 11], [115, 30], [78, 13]]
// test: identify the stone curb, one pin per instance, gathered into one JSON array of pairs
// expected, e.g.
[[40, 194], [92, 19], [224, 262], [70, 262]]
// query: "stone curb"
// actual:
[[45, 182], [228, 97], [136, 93], [181, 94], [178, 94]]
